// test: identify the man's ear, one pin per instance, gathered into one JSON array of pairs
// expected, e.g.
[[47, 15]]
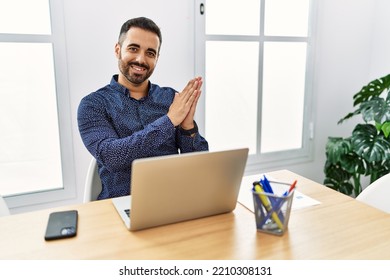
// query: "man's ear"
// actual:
[[117, 50]]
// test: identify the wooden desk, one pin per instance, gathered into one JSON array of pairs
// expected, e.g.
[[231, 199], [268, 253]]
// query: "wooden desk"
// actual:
[[338, 228]]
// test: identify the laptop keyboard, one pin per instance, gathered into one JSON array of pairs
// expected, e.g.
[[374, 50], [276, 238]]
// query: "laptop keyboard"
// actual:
[[127, 211]]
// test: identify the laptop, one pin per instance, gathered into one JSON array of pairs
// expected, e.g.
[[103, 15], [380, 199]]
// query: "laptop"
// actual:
[[176, 188]]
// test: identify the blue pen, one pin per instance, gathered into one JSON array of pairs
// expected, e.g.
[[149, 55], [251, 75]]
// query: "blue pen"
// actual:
[[267, 187], [266, 184]]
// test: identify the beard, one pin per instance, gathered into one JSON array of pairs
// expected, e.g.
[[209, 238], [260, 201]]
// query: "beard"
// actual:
[[134, 78]]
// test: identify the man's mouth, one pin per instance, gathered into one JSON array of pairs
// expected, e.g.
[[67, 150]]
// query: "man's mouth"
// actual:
[[138, 69]]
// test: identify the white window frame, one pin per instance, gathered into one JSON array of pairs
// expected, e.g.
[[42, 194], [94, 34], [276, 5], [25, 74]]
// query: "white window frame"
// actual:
[[57, 39], [272, 159]]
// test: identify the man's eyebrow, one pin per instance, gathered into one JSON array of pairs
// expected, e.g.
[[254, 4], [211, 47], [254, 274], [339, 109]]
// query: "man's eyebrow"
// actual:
[[133, 45]]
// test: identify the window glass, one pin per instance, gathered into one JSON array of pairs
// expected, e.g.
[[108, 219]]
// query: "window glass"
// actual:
[[230, 17], [25, 17], [30, 157], [231, 94], [286, 17], [283, 96], [256, 86]]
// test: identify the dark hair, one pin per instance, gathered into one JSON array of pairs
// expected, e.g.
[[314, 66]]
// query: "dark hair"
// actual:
[[140, 22]]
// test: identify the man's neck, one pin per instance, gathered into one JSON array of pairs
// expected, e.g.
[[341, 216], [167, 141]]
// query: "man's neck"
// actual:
[[136, 91]]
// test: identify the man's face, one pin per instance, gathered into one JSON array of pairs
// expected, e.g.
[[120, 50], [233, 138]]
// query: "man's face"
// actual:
[[137, 55]]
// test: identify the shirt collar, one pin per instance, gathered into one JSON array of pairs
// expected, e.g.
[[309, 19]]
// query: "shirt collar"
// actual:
[[122, 89], [117, 86]]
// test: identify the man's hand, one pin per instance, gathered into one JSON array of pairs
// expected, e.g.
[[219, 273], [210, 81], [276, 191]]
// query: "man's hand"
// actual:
[[182, 110], [188, 122]]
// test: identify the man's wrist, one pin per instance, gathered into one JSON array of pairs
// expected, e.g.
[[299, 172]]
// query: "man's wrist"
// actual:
[[189, 132]]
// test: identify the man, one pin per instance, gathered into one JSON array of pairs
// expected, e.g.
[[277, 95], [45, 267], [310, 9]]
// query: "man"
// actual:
[[132, 118]]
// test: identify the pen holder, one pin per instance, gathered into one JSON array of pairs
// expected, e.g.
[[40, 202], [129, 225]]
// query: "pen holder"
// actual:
[[272, 211]]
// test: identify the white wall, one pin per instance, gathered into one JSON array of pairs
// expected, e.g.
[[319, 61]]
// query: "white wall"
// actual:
[[351, 51], [380, 54]]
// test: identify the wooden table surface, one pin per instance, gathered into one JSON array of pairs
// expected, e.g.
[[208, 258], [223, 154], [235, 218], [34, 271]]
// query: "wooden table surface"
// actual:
[[338, 228]]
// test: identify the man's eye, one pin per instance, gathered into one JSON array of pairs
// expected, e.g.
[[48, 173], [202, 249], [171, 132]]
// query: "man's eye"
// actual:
[[151, 54]]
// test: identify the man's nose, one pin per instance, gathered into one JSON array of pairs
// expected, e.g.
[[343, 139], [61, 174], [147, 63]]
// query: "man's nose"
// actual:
[[140, 58]]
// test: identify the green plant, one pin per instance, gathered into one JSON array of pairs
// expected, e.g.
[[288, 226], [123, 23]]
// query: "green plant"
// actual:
[[366, 153]]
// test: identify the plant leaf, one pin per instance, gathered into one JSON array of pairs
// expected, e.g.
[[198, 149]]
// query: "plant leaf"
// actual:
[[352, 163], [386, 129], [336, 147], [369, 91], [377, 109], [372, 89], [368, 144], [338, 179], [349, 115]]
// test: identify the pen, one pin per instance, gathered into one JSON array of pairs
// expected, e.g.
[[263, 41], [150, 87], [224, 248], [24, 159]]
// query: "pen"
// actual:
[[267, 205], [291, 188], [267, 188], [266, 184]]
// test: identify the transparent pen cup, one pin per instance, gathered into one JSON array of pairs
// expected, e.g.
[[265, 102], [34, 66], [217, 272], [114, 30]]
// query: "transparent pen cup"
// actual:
[[272, 211]]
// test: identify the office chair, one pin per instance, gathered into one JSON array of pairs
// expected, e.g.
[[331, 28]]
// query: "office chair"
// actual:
[[377, 194], [93, 185], [4, 211]]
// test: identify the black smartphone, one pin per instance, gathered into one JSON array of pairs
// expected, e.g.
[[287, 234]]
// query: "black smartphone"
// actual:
[[61, 225]]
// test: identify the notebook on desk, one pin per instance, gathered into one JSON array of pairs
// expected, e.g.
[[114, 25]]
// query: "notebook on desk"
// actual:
[[176, 188]]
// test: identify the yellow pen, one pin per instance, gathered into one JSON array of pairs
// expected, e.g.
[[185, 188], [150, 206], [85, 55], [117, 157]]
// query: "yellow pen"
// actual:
[[267, 205]]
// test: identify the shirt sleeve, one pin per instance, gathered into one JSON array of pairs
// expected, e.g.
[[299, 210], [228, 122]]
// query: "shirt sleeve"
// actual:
[[103, 142], [188, 144]]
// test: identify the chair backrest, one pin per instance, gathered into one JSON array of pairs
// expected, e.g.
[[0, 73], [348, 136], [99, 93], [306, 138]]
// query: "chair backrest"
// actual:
[[377, 194], [93, 185], [4, 211]]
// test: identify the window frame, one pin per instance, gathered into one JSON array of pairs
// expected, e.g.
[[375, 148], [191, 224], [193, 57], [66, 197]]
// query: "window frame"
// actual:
[[57, 39], [271, 159]]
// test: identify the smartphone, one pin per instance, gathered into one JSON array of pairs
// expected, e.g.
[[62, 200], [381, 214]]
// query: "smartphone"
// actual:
[[61, 225]]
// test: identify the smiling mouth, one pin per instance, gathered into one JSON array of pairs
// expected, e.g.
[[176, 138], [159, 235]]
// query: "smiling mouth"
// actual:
[[138, 69]]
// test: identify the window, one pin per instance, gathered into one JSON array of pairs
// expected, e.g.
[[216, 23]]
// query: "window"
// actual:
[[255, 57], [35, 151]]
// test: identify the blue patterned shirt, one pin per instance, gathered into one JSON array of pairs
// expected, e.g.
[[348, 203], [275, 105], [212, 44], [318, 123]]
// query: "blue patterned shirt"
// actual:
[[117, 129]]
